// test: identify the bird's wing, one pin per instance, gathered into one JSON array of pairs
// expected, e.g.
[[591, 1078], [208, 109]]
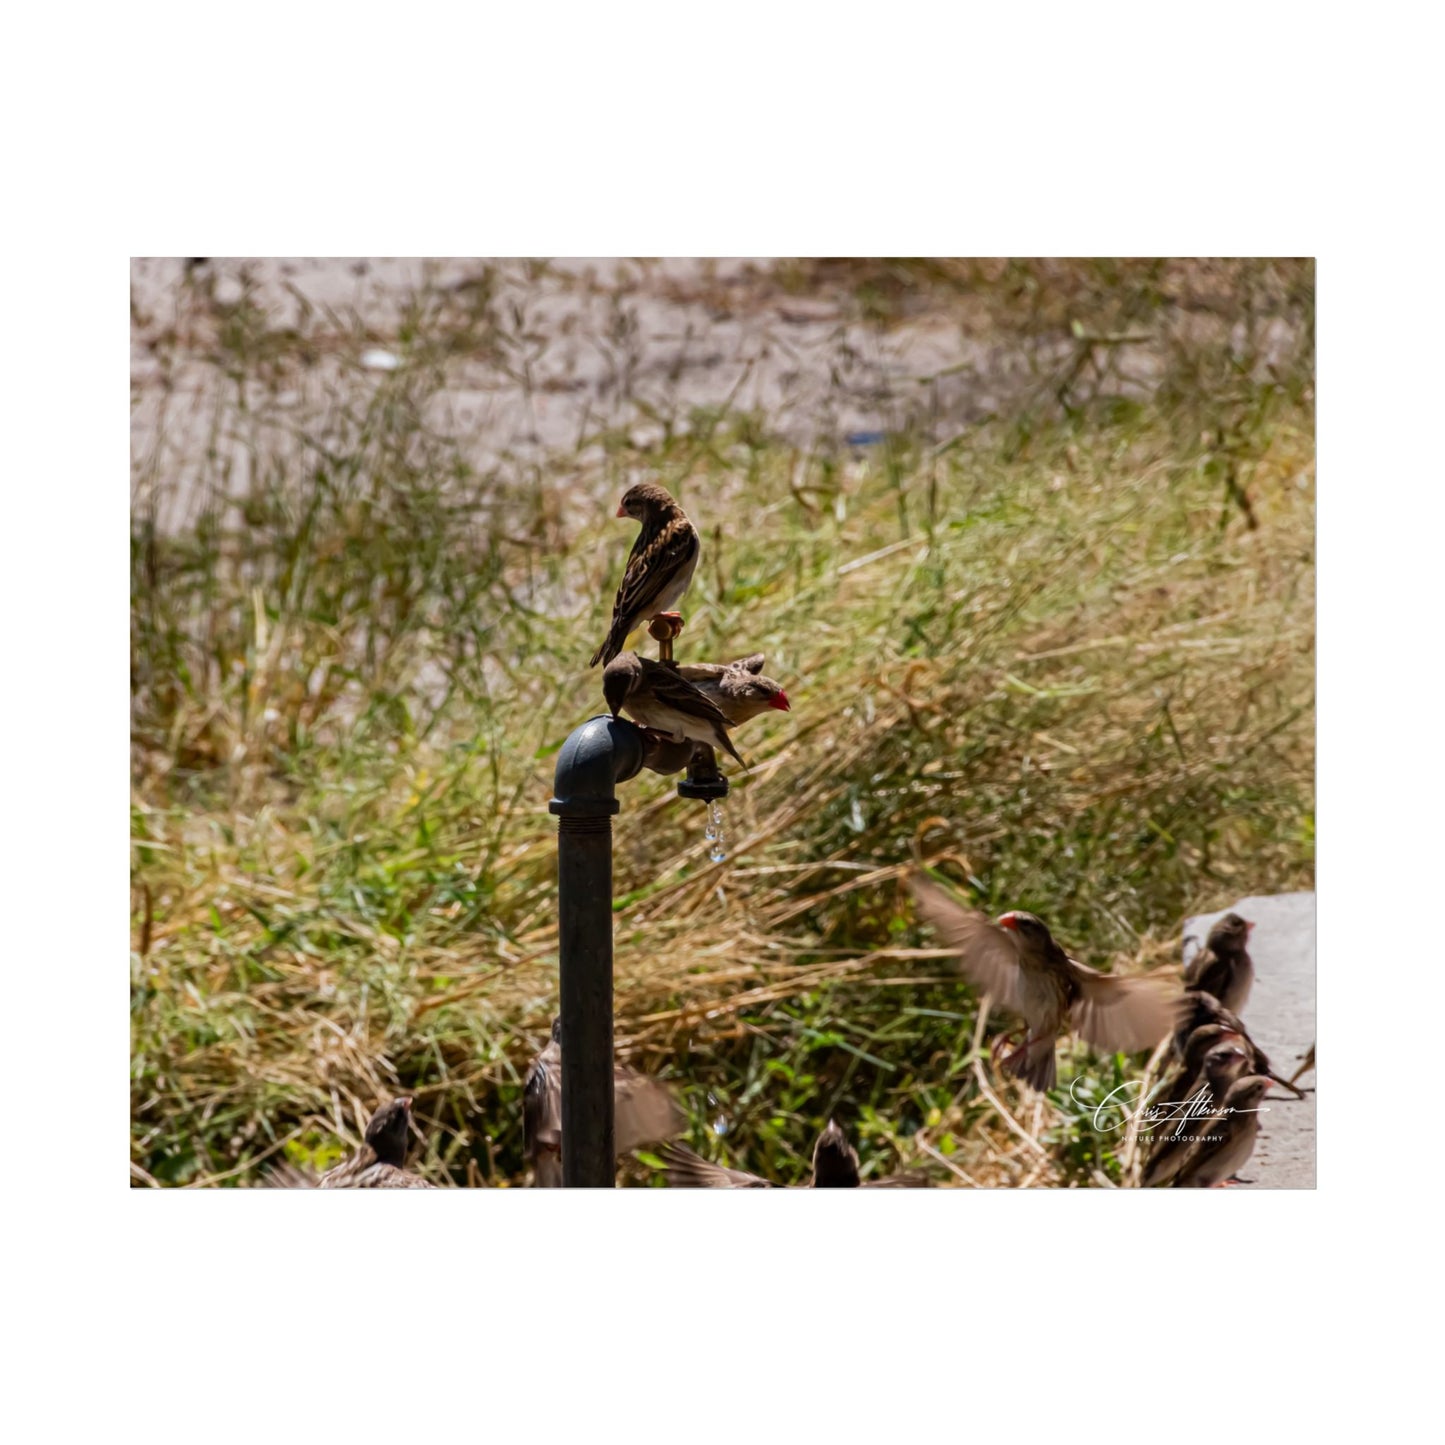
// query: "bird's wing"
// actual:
[[654, 562], [542, 1102], [345, 1174], [388, 1176], [702, 671], [1168, 1156], [987, 953], [671, 690], [691, 1172], [1127, 1014], [645, 1111], [1206, 973]]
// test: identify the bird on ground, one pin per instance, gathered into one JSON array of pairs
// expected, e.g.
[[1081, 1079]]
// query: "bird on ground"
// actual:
[[381, 1161], [1184, 1080], [659, 567], [1203, 1008], [738, 689], [1017, 962], [1233, 1133], [1222, 1065], [643, 1111], [659, 698], [1223, 966], [835, 1166]]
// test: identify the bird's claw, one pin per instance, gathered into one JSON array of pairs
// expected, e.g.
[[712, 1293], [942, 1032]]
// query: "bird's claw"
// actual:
[[1005, 1039]]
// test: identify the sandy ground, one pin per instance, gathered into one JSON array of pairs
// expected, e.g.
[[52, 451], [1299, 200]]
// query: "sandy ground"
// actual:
[[1281, 1019], [549, 356]]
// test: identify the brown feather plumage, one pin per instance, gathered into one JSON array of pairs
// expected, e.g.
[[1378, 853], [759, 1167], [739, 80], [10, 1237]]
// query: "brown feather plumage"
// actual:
[[1017, 962], [644, 1111], [659, 567]]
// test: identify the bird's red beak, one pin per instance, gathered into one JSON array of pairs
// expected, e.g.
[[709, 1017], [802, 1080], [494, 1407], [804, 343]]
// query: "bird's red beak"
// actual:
[[406, 1103], [1248, 928], [780, 701], [621, 512], [1008, 920]]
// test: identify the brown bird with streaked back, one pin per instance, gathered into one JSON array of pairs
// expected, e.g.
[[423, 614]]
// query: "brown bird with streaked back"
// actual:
[[381, 1161], [1233, 1137], [738, 689], [659, 568], [1222, 1065], [658, 697], [1016, 961], [835, 1166], [1223, 966], [643, 1111]]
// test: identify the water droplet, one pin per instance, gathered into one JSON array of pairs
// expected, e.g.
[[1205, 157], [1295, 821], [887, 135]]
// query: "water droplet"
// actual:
[[716, 832], [720, 1125]]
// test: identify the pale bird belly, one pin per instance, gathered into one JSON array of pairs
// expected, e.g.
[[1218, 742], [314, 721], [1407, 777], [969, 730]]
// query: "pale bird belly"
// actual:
[[672, 594], [668, 720]]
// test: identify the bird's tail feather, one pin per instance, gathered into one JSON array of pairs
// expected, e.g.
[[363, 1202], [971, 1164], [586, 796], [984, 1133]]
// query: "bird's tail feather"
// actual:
[[1034, 1064], [612, 644]]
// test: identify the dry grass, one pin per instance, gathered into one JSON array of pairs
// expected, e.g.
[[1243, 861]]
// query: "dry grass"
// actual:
[[1065, 657]]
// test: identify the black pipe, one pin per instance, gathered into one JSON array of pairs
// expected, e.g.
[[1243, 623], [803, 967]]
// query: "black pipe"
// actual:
[[703, 780], [597, 756]]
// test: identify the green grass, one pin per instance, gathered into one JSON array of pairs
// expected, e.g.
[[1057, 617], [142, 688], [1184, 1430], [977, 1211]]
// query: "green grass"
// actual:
[[1076, 676]]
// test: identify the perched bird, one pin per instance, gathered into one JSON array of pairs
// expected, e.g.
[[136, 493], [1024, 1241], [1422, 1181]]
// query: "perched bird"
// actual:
[[835, 1166], [643, 1111], [738, 689], [1017, 962], [1304, 1068], [1222, 1065], [1223, 966], [1231, 1139], [1185, 1078], [1203, 1008], [658, 697], [381, 1162], [659, 568]]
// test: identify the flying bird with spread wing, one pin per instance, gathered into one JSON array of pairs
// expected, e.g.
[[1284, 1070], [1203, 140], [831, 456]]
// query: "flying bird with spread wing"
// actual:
[[644, 1111], [1015, 959]]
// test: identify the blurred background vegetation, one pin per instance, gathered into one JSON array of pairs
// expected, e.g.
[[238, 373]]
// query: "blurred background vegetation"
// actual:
[[1029, 543]]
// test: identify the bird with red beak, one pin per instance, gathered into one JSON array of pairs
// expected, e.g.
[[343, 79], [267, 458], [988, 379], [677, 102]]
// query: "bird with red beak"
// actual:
[[739, 688], [1016, 961]]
